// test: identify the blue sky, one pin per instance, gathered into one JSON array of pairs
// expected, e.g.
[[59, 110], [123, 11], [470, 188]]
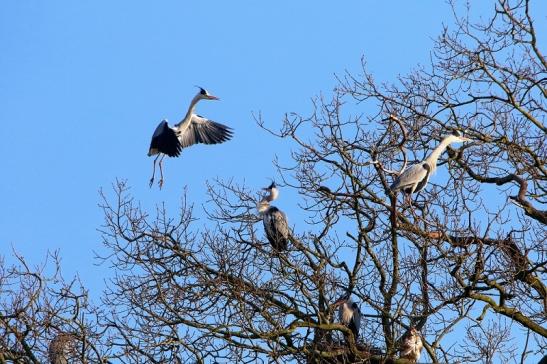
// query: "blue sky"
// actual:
[[84, 84]]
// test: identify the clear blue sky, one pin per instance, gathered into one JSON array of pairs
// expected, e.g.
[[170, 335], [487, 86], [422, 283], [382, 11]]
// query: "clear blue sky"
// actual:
[[83, 84]]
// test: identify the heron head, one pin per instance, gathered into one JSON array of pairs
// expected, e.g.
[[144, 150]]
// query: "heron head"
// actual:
[[344, 299], [272, 188], [204, 94], [273, 191], [457, 136], [413, 330]]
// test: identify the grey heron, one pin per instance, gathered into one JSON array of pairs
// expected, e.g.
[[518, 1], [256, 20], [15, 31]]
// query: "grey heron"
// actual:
[[60, 347], [415, 178], [349, 314], [275, 220], [411, 345], [192, 129]]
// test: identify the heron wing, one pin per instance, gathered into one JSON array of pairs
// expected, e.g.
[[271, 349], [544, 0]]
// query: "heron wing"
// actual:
[[425, 179], [164, 140], [202, 130], [277, 228], [355, 323], [410, 177]]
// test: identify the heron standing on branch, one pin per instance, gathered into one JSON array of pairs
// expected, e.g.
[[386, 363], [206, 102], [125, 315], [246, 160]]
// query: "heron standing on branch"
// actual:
[[275, 220], [349, 314], [411, 345], [415, 178], [59, 350], [192, 129]]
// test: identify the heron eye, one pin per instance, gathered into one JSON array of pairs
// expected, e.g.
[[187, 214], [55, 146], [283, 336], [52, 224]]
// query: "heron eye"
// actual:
[[203, 92]]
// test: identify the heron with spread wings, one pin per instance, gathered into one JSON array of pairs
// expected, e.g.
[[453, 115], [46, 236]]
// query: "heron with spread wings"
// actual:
[[192, 129]]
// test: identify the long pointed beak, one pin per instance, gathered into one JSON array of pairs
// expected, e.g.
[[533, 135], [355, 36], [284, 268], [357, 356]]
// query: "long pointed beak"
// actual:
[[211, 97]]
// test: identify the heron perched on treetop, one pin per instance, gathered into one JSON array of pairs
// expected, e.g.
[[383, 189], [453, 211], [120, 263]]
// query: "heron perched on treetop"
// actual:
[[275, 220], [415, 178]]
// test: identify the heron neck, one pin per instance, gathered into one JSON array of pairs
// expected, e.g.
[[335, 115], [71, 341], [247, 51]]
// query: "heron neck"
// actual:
[[191, 108], [263, 205], [434, 156]]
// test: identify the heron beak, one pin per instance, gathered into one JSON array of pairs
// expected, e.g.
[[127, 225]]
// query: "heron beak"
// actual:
[[211, 97]]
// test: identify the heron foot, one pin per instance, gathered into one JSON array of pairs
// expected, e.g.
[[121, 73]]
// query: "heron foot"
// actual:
[[160, 183], [151, 182]]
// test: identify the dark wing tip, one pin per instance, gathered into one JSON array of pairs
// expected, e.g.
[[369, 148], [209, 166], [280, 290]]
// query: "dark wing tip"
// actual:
[[214, 133], [165, 141]]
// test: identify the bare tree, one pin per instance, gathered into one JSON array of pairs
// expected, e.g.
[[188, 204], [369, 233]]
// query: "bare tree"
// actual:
[[455, 257], [44, 317], [468, 253]]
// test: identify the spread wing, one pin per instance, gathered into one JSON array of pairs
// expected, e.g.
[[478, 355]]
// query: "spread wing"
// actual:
[[417, 174], [164, 140], [201, 130]]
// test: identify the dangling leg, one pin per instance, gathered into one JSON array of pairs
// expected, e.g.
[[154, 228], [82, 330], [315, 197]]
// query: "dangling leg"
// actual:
[[153, 171], [160, 183]]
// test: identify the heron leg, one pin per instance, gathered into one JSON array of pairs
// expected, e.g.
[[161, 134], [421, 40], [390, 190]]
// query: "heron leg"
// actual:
[[153, 171], [160, 183]]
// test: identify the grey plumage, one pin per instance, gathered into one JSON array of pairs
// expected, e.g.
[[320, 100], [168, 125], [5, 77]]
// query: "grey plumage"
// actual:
[[204, 131], [191, 130], [59, 348], [276, 228], [349, 314], [415, 178], [411, 345], [275, 221]]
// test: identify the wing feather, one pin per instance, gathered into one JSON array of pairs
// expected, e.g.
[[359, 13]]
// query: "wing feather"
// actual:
[[165, 140], [277, 228], [424, 180], [204, 131], [410, 177]]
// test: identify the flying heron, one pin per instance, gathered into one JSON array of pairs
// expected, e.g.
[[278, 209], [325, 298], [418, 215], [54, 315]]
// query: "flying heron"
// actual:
[[192, 129]]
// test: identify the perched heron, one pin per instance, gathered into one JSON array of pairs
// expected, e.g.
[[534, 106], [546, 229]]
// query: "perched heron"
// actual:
[[411, 345], [415, 178], [275, 220], [60, 347], [193, 129], [349, 314]]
